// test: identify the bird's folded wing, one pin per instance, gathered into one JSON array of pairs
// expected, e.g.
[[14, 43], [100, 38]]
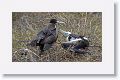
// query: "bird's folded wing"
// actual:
[[49, 39], [74, 41], [41, 35]]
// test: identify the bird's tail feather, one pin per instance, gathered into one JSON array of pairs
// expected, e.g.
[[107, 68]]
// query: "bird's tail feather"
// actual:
[[32, 43]]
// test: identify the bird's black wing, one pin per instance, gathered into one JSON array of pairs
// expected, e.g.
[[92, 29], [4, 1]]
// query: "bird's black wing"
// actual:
[[49, 39], [76, 36], [42, 34], [39, 37]]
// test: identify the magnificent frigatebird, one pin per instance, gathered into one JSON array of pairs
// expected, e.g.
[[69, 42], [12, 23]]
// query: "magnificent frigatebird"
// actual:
[[75, 42], [46, 37]]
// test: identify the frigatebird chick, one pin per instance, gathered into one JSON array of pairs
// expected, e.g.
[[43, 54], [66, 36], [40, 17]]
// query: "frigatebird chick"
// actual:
[[46, 37], [74, 42]]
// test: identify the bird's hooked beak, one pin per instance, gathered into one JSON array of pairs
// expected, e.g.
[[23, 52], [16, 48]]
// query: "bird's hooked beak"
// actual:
[[64, 33], [60, 22]]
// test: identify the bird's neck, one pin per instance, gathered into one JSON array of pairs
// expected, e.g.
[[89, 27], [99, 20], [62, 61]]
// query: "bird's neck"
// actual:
[[52, 26]]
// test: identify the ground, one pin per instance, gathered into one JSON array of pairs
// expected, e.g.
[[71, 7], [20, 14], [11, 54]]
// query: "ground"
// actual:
[[25, 26]]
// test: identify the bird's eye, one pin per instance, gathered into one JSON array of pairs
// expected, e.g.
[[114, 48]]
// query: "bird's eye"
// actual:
[[66, 34]]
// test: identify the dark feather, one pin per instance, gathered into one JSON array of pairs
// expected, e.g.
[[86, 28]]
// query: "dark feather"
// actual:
[[46, 37]]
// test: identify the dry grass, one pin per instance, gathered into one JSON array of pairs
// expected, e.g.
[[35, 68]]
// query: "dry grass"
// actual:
[[26, 25]]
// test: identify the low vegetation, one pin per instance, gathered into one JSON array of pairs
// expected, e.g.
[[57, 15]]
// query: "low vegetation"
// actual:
[[25, 26]]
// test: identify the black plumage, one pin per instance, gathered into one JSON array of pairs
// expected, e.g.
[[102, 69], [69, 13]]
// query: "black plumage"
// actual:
[[74, 42], [83, 43], [46, 37]]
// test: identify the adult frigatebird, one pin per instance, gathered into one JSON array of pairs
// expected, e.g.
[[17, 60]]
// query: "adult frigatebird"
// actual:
[[46, 37]]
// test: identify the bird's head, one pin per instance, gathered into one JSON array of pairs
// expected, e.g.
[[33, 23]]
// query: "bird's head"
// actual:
[[54, 21], [66, 34]]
